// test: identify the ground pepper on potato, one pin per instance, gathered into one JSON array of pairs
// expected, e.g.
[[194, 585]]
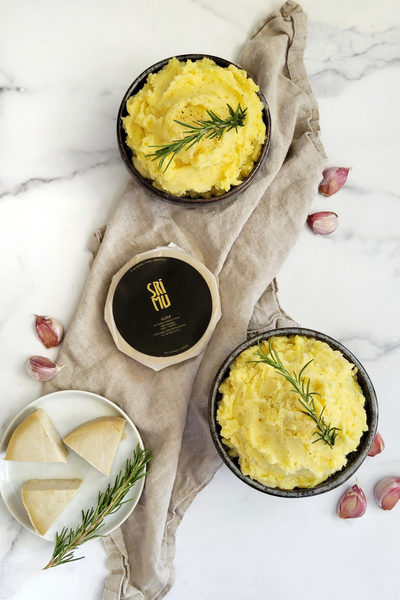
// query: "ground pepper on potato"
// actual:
[[184, 91], [262, 422]]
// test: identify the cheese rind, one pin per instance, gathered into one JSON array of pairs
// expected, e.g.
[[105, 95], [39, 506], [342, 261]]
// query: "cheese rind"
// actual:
[[36, 440], [45, 500], [97, 441]]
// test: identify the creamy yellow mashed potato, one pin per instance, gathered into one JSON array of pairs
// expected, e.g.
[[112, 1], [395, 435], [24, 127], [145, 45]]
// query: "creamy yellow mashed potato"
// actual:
[[262, 423], [184, 91]]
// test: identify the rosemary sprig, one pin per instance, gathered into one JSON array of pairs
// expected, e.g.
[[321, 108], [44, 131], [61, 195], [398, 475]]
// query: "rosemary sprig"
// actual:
[[211, 128], [108, 502], [301, 385]]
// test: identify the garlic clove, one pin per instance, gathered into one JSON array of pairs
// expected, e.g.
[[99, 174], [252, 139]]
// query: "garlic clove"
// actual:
[[333, 179], [49, 330], [41, 368], [323, 223], [378, 445], [387, 492], [353, 503]]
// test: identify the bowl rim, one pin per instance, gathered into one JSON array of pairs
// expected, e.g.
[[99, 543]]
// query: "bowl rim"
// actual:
[[126, 152], [358, 456]]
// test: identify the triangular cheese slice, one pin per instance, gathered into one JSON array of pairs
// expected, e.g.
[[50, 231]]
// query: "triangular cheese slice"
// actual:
[[46, 499], [36, 440], [97, 441]]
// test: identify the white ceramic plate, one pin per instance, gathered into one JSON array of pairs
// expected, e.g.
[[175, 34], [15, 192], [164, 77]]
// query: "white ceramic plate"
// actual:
[[67, 410]]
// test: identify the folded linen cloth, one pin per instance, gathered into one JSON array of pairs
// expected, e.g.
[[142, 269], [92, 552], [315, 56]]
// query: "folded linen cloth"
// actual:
[[244, 243]]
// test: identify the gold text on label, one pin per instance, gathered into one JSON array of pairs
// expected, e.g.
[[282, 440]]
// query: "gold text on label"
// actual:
[[159, 296]]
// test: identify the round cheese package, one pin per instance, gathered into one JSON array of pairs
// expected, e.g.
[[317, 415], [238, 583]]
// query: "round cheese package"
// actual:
[[162, 307]]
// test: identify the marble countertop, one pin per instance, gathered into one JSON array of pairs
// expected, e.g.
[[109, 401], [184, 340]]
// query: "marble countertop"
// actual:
[[64, 68]]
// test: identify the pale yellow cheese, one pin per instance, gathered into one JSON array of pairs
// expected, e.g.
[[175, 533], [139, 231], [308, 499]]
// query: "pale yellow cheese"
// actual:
[[97, 441], [46, 499], [36, 440]]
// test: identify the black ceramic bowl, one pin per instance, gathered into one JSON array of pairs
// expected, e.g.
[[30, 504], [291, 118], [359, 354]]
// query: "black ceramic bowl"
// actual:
[[355, 459], [126, 152]]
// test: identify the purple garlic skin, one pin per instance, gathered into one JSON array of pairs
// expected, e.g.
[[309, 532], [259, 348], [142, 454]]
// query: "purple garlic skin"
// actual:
[[41, 368], [353, 503], [378, 445], [333, 180], [387, 492], [49, 330], [323, 223]]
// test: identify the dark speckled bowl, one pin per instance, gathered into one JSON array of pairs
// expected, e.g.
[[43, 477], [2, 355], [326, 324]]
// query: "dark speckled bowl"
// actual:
[[355, 459], [126, 152]]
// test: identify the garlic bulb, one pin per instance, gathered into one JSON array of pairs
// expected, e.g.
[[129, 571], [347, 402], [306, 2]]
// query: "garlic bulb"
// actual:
[[41, 368], [387, 492], [353, 503], [49, 330], [333, 179], [378, 445], [323, 223]]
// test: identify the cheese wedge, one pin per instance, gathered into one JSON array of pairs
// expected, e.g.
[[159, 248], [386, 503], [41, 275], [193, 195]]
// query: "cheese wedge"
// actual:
[[97, 441], [36, 440], [46, 499]]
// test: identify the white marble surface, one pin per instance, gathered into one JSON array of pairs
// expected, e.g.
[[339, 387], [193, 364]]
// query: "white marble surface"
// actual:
[[64, 67]]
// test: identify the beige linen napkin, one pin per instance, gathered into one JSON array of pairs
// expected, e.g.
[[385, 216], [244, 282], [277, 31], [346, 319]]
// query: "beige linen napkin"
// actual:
[[244, 243]]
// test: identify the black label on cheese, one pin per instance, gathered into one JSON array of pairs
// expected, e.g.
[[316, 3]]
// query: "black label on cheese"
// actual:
[[162, 306]]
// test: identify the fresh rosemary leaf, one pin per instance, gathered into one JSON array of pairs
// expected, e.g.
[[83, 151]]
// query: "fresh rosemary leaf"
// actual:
[[301, 385], [214, 127], [108, 502]]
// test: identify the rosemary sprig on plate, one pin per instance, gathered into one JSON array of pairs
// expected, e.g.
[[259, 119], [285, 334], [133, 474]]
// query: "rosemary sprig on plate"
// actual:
[[108, 502], [214, 127], [301, 385]]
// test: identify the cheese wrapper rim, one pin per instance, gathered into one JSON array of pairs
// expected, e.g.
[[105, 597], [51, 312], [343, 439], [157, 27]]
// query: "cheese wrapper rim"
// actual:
[[160, 362]]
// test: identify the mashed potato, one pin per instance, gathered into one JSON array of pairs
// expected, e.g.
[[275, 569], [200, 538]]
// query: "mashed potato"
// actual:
[[262, 422], [184, 91]]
